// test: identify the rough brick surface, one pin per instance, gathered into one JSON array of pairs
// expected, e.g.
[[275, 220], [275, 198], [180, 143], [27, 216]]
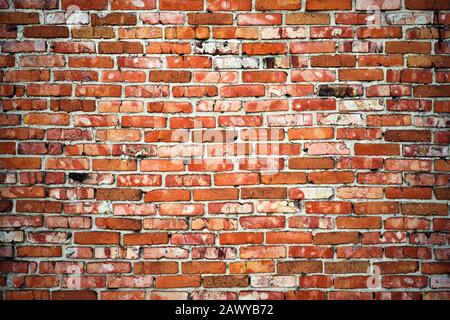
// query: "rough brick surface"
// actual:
[[232, 149]]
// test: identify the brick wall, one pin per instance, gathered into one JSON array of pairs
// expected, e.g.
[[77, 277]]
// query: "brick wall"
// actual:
[[224, 149]]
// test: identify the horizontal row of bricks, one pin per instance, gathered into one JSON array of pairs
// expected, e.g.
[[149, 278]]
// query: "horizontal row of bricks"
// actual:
[[203, 33], [311, 75], [227, 5], [224, 295]]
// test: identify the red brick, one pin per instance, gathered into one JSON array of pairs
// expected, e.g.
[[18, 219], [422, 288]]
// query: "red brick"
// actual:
[[235, 33], [20, 17], [328, 5], [225, 281], [167, 195], [241, 238], [210, 18], [336, 238], [203, 267], [178, 281], [216, 194], [263, 48], [85, 4], [97, 238], [308, 18], [278, 5], [419, 5], [288, 237]]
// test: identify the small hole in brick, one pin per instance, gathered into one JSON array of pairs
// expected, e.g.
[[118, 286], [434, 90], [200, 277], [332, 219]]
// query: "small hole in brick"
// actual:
[[78, 177]]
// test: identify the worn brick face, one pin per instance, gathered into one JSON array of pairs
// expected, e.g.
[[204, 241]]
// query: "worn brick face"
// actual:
[[224, 149]]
